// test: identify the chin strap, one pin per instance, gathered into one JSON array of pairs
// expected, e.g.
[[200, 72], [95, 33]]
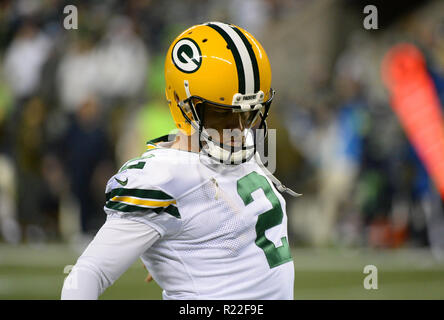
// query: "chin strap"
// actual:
[[276, 182]]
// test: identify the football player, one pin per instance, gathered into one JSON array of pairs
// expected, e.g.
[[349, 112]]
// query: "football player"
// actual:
[[199, 208]]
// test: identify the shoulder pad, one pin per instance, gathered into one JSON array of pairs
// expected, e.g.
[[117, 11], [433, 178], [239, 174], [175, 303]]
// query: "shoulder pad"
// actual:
[[140, 186]]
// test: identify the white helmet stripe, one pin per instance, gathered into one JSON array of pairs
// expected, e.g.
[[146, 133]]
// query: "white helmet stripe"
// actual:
[[245, 56]]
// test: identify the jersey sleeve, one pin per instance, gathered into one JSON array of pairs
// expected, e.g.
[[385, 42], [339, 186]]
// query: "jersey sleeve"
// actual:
[[116, 246], [137, 192]]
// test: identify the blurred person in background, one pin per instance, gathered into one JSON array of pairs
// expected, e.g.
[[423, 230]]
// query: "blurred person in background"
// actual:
[[251, 14], [78, 74], [25, 134], [22, 67], [122, 62], [24, 59], [86, 154], [340, 149], [37, 204]]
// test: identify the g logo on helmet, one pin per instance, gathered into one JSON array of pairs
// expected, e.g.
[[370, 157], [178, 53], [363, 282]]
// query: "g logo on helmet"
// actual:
[[186, 55]]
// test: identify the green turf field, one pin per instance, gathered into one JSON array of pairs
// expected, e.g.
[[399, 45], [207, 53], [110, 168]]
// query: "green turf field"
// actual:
[[37, 273]]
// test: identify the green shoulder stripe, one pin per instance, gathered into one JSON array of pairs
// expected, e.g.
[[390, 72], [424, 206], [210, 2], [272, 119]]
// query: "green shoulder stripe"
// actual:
[[172, 210], [139, 193], [120, 206], [160, 139], [138, 165]]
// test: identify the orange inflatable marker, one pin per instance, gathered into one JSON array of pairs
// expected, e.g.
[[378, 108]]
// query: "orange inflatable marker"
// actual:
[[416, 103]]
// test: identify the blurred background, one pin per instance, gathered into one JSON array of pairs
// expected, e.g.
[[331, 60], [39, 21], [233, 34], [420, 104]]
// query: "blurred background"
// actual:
[[76, 104]]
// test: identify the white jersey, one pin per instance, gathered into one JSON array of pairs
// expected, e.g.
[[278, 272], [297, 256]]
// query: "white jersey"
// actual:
[[223, 229]]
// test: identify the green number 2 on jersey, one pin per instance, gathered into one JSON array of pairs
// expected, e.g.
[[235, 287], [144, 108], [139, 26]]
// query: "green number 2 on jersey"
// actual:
[[271, 218]]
